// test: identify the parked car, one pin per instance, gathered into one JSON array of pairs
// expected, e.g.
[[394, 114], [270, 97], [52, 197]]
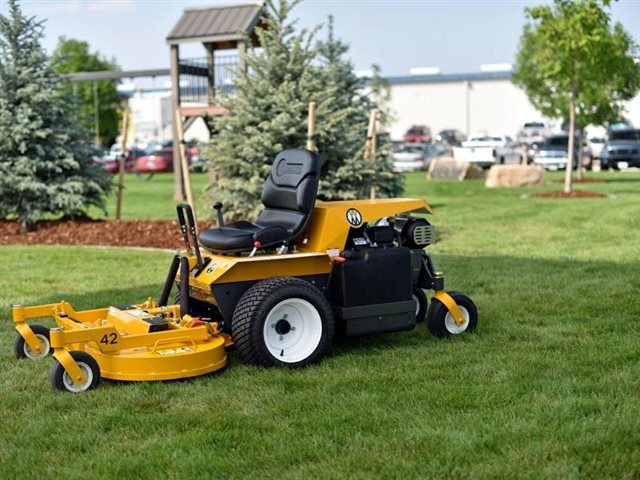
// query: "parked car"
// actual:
[[158, 161], [595, 145], [419, 134], [621, 150], [533, 133], [486, 150], [409, 157], [161, 160], [553, 153], [435, 150], [111, 161], [451, 136]]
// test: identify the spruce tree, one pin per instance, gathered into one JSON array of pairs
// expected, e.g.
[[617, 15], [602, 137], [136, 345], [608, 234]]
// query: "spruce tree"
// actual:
[[46, 165], [343, 117], [267, 113]]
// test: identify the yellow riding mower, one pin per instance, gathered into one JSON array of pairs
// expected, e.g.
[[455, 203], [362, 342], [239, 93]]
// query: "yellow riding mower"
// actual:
[[278, 290]]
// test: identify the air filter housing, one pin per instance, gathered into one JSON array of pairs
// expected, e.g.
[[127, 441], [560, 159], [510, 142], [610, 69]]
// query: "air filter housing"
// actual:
[[415, 232]]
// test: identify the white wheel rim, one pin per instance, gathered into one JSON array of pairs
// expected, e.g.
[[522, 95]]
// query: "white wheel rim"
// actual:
[[292, 330], [450, 323], [415, 299], [72, 387], [46, 347]]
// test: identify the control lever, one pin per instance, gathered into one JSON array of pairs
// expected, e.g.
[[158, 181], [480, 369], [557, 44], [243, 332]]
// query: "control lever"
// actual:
[[183, 226], [191, 224], [218, 208]]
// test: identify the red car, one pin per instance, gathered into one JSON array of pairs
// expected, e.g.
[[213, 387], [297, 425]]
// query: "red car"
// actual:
[[159, 161], [418, 133], [111, 161], [162, 160]]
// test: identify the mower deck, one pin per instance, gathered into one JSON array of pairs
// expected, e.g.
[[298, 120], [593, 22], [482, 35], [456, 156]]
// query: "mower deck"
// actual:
[[133, 343]]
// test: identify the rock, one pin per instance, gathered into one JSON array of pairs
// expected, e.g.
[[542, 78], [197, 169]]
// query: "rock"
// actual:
[[448, 168], [514, 176]]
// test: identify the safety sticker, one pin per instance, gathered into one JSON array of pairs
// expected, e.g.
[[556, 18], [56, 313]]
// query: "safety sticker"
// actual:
[[174, 351], [212, 267]]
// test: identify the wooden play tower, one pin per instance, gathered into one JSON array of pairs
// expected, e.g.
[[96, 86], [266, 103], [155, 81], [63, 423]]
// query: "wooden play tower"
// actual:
[[197, 82]]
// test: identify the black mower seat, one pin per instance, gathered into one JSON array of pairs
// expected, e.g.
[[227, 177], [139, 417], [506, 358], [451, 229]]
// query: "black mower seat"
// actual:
[[289, 196]]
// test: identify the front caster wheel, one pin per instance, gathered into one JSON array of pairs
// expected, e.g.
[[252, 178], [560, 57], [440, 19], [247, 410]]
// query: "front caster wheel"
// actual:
[[441, 323], [283, 321], [422, 303], [61, 380], [21, 349]]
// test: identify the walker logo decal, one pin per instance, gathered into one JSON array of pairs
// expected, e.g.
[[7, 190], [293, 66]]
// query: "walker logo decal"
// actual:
[[284, 168], [354, 217]]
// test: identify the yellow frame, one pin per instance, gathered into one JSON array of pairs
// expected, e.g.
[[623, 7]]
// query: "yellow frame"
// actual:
[[122, 345], [134, 353]]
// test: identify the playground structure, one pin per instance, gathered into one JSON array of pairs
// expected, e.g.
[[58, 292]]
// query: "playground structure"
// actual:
[[197, 82], [217, 28]]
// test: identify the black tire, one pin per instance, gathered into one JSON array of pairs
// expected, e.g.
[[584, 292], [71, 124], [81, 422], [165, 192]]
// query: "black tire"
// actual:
[[264, 300], [61, 380], [422, 303], [440, 322], [22, 350]]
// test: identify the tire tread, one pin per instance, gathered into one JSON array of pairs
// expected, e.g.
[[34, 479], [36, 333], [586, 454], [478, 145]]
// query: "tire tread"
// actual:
[[438, 311], [246, 324]]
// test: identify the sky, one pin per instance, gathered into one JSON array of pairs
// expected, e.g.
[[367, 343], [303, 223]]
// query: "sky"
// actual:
[[457, 36]]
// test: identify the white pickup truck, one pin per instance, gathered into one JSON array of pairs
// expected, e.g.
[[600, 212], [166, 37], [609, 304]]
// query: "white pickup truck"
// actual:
[[485, 150]]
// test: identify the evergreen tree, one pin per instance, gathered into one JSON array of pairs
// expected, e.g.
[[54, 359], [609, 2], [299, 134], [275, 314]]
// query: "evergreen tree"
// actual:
[[46, 164], [343, 117], [268, 113]]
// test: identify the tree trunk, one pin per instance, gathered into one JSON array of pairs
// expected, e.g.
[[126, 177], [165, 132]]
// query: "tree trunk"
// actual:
[[25, 226], [580, 154], [568, 187]]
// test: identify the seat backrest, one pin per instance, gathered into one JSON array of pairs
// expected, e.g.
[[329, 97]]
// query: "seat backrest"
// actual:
[[289, 193]]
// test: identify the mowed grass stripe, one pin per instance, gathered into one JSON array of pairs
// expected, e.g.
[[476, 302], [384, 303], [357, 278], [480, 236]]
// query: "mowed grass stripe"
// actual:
[[546, 388]]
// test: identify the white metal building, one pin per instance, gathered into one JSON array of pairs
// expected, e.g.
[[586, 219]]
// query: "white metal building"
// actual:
[[483, 101], [151, 117]]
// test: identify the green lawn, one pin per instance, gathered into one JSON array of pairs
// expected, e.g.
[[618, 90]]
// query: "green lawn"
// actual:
[[153, 199], [548, 386]]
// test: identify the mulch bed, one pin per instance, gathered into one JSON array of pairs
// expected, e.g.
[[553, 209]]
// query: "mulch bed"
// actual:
[[573, 194], [138, 233], [584, 180]]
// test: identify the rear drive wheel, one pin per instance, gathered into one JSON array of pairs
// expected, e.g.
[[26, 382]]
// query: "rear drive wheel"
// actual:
[[22, 350], [420, 298], [441, 323], [61, 380], [283, 321]]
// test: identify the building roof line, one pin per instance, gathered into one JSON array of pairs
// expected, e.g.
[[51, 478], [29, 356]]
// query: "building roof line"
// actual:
[[449, 77], [394, 80]]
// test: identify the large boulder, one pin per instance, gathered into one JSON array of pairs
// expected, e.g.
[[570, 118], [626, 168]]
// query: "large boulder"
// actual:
[[514, 176], [448, 168]]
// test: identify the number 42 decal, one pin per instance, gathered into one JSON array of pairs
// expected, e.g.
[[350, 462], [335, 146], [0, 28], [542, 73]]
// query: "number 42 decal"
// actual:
[[109, 339]]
